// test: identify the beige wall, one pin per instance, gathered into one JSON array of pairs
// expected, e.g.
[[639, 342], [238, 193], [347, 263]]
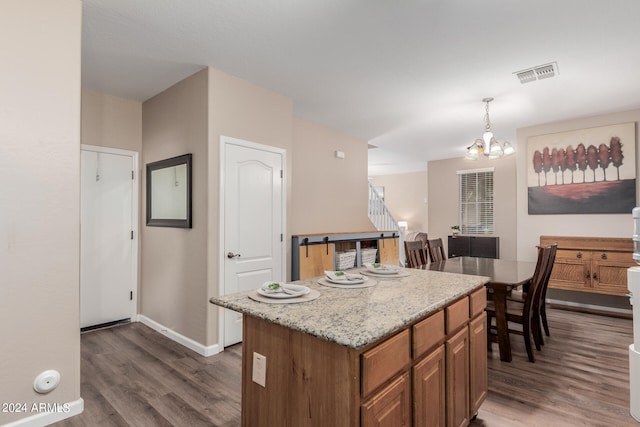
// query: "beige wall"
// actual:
[[39, 203], [329, 195], [242, 110], [109, 121], [174, 260], [443, 199], [405, 196], [531, 227]]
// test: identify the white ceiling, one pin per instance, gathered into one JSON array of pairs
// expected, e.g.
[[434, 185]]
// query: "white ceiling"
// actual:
[[406, 75]]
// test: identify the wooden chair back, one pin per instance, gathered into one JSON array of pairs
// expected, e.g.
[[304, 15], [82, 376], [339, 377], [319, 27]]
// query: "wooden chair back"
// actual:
[[415, 253], [436, 250]]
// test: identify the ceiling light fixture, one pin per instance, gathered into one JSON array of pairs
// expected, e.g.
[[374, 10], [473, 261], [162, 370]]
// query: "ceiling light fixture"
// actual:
[[488, 145]]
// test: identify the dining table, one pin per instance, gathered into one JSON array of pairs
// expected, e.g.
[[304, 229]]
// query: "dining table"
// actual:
[[505, 275]]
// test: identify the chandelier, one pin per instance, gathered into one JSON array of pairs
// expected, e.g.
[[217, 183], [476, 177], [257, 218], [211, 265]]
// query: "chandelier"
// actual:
[[488, 145]]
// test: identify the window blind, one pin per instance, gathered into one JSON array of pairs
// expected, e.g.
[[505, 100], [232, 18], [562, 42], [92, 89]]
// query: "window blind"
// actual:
[[476, 201]]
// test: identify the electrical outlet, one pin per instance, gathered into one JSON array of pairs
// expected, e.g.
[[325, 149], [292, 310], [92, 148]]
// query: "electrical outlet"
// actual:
[[259, 375]]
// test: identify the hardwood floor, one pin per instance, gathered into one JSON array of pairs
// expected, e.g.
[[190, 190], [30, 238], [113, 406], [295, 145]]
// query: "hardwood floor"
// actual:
[[134, 376]]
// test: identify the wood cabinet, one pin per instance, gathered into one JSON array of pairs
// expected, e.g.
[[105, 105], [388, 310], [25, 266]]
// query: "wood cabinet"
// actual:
[[312, 254], [424, 375], [591, 264], [477, 246]]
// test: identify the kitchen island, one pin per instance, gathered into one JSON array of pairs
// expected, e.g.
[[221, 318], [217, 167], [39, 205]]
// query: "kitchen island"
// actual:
[[407, 351]]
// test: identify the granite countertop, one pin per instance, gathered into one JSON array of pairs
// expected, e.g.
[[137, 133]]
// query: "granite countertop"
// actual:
[[356, 318]]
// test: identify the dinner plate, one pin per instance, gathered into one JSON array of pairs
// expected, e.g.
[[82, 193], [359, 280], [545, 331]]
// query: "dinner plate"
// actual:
[[287, 291], [383, 268], [345, 278]]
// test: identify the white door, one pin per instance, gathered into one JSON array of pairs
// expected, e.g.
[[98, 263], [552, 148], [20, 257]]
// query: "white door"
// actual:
[[252, 222], [107, 245]]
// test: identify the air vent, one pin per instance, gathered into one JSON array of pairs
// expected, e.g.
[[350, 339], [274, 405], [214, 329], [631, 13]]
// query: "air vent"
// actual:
[[537, 73], [370, 146]]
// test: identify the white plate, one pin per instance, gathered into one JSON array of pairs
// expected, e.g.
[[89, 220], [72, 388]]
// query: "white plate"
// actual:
[[383, 268], [346, 278], [294, 291]]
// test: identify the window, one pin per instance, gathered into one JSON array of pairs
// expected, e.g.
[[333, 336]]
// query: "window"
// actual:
[[475, 188]]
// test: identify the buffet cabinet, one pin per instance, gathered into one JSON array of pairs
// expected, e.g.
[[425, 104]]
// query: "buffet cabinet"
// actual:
[[430, 373], [312, 254], [476, 246], [591, 264]]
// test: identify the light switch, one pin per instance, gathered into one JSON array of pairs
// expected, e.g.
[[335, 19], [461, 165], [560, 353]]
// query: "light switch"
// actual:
[[259, 375]]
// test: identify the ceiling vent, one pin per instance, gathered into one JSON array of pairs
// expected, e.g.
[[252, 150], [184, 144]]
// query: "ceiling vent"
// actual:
[[370, 146], [537, 73]]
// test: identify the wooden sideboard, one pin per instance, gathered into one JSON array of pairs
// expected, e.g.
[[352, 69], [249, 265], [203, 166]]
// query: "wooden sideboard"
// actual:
[[591, 264], [312, 254]]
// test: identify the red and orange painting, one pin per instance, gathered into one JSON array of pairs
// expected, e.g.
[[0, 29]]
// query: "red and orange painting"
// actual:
[[587, 171]]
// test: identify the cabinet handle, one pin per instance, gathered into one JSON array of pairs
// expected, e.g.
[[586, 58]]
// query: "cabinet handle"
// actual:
[[603, 256], [588, 276], [595, 276], [579, 255]]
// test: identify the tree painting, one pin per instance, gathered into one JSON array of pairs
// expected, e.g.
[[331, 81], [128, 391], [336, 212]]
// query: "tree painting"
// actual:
[[592, 151]]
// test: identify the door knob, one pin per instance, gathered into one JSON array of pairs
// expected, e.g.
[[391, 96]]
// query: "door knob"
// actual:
[[231, 255]]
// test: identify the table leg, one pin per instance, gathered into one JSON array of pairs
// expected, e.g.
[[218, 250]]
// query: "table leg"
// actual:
[[500, 305]]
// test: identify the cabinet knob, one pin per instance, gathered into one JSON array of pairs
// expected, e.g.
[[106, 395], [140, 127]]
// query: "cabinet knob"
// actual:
[[588, 276], [579, 255], [603, 256]]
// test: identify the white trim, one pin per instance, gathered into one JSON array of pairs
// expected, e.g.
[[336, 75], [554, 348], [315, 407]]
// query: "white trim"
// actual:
[[135, 210], [589, 306], [224, 141], [480, 170], [179, 338], [68, 410]]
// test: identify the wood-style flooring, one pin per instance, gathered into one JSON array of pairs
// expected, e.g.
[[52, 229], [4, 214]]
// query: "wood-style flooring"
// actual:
[[134, 376]]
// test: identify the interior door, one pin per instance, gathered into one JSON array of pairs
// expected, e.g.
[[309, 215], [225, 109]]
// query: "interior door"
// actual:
[[252, 222], [107, 245]]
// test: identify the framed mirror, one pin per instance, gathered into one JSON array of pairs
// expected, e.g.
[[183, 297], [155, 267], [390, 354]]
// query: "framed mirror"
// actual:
[[169, 192]]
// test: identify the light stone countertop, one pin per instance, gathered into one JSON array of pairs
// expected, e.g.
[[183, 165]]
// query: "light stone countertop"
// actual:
[[356, 318]]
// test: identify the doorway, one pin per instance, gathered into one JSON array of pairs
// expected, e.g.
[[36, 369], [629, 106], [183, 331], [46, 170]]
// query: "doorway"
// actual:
[[108, 235], [252, 222]]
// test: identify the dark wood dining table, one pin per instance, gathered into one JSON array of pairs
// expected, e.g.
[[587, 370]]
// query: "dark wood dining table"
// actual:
[[505, 275]]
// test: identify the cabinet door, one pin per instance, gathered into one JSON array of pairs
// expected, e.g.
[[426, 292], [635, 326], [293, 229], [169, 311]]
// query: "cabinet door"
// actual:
[[391, 407], [571, 270], [458, 246], [478, 384], [389, 251], [457, 369], [484, 247], [609, 272], [429, 390], [315, 259]]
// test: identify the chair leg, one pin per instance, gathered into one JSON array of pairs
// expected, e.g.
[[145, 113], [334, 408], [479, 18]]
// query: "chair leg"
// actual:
[[526, 331], [536, 331], [543, 315]]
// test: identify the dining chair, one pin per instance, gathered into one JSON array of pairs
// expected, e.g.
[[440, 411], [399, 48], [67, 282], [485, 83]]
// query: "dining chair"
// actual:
[[540, 306], [415, 253], [524, 314], [436, 250]]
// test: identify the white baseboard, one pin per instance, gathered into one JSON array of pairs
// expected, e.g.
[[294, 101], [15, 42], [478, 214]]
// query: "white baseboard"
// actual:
[[51, 413], [179, 338], [589, 306]]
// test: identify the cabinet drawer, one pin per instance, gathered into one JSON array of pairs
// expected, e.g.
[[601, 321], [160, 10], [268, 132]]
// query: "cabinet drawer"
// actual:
[[477, 302], [427, 333], [457, 314], [384, 361]]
